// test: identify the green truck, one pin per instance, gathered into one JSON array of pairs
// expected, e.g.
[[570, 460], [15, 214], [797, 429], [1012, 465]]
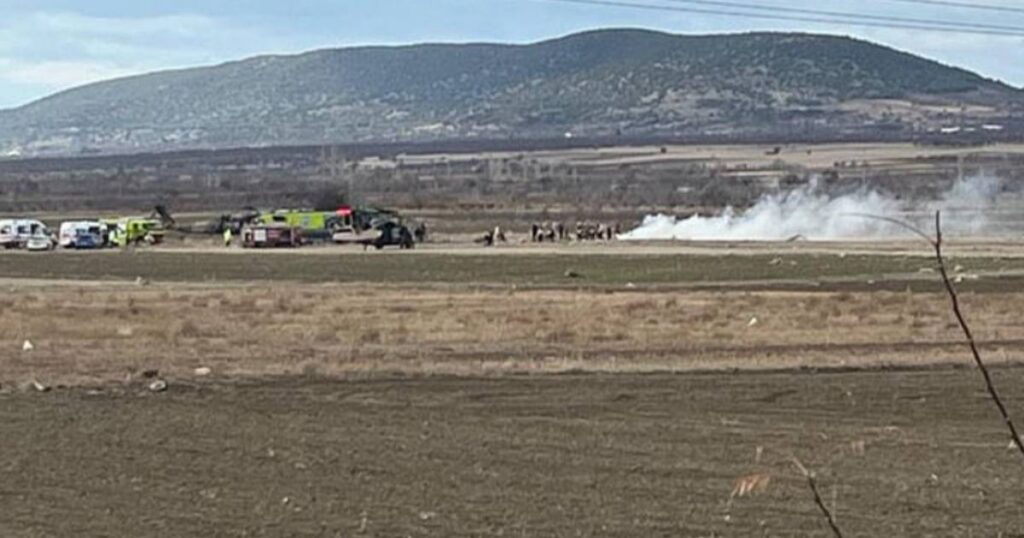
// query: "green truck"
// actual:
[[315, 225], [327, 225], [134, 231]]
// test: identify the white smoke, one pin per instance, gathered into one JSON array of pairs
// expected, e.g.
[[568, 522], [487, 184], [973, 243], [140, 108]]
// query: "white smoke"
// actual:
[[810, 213], [969, 204]]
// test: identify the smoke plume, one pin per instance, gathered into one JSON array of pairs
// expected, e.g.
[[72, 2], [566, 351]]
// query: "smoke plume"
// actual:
[[810, 213]]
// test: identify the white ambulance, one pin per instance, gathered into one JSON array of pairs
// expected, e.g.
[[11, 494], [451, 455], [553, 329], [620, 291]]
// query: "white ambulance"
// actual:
[[27, 234]]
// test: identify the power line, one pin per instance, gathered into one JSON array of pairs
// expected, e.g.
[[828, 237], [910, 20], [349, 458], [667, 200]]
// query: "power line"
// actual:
[[795, 18], [851, 15], [965, 5]]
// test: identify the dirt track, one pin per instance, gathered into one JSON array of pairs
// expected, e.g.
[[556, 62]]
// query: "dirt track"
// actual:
[[899, 454]]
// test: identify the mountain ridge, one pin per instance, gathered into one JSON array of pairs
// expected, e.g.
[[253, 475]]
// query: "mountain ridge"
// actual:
[[592, 83]]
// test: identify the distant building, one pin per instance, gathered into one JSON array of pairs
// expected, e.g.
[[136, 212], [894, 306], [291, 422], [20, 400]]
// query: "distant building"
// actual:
[[376, 163]]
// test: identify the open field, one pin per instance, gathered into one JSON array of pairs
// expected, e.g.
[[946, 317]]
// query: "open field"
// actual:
[[99, 316], [749, 267], [898, 454], [456, 391], [752, 156], [92, 333], [609, 179]]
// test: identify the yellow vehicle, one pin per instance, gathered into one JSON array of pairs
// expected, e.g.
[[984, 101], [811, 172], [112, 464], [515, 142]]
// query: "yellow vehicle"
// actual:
[[134, 231], [318, 225], [327, 225]]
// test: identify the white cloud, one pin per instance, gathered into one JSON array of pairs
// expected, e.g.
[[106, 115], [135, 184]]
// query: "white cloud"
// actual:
[[55, 75], [55, 51], [185, 25]]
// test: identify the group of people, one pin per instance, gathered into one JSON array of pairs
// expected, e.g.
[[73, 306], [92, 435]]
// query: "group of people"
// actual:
[[554, 232]]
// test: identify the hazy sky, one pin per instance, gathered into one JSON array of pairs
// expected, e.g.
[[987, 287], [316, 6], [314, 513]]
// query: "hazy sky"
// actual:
[[49, 45]]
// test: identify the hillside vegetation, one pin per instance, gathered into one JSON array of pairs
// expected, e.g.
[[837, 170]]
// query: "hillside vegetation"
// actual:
[[601, 83]]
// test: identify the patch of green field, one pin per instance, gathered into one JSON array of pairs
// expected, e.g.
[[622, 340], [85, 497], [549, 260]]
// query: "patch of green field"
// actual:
[[797, 271]]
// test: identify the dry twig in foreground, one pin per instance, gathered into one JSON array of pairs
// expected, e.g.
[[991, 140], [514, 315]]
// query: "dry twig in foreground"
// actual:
[[954, 298], [969, 336], [813, 485], [936, 244]]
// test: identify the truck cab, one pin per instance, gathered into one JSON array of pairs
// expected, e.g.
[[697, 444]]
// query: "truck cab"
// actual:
[[134, 231]]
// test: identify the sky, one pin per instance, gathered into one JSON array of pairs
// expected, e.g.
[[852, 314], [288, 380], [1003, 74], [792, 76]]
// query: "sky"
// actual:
[[50, 45]]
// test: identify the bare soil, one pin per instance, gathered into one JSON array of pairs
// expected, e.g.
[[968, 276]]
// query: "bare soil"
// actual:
[[456, 392], [897, 454]]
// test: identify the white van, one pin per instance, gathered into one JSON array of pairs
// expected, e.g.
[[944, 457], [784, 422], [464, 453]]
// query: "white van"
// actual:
[[25, 233], [82, 234]]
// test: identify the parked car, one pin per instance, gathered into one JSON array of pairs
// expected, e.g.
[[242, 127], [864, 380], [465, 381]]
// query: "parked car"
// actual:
[[40, 242]]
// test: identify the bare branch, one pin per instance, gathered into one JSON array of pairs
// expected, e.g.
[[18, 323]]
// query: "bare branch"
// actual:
[[969, 336], [936, 244], [902, 224], [813, 485]]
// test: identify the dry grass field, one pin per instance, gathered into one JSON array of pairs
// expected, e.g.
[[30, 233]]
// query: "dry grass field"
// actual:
[[456, 392], [814, 156], [585, 389], [92, 334], [97, 317]]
